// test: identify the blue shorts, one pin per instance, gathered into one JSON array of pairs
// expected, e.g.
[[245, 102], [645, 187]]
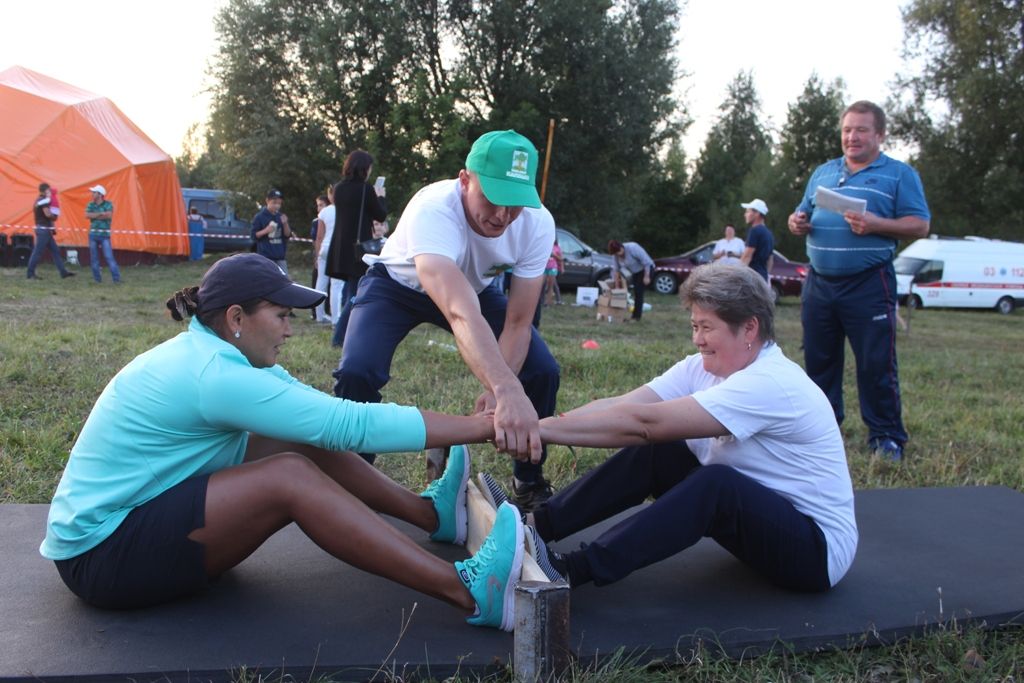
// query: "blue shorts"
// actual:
[[149, 559]]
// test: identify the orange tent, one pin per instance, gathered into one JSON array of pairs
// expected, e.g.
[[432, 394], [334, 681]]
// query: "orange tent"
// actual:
[[72, 139]]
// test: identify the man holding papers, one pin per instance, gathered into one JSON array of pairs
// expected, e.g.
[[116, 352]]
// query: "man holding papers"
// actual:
[[854, 211]]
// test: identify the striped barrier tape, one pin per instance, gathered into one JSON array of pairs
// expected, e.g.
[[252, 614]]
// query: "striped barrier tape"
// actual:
[[26, 228]]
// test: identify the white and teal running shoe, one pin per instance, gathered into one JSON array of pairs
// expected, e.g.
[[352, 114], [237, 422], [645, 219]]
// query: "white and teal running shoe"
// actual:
[[491, 574], [449, 497]]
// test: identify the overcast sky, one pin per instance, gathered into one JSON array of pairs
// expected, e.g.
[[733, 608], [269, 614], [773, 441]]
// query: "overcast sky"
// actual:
[[150, 58]]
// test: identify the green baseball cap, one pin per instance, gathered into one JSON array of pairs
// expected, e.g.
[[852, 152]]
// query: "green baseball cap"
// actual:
[[506, 164]]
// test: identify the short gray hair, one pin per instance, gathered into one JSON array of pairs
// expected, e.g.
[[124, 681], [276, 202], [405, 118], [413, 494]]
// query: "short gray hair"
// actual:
[[735, 293]]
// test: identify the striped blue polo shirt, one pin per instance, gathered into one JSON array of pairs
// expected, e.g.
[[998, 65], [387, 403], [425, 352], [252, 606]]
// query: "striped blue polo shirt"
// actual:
[[892, 190]]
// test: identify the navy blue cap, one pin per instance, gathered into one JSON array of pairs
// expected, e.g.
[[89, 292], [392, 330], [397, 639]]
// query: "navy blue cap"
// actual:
[[241, 277]]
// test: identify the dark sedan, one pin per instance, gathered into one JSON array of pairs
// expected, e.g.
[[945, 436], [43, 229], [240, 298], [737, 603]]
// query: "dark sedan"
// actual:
[[584, 265], [787, 277]]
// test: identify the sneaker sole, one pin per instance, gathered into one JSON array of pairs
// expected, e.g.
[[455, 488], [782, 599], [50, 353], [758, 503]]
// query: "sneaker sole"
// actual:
[[461, 512], [508, 619]]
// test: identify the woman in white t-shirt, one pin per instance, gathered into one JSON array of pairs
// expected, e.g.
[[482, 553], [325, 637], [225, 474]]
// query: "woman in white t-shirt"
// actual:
[[734, 443]]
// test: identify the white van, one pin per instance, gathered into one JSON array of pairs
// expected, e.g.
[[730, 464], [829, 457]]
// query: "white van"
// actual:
[[961, 272]]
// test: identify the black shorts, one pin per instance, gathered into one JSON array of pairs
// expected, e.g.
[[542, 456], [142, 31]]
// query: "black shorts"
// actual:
[[149, 559]]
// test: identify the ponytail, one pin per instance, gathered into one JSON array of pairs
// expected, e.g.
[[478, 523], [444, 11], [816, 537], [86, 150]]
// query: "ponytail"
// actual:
[[184, 303]]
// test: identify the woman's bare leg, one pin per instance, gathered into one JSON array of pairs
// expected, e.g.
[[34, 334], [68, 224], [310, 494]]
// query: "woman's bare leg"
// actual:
[[364, 481], [247, 504]]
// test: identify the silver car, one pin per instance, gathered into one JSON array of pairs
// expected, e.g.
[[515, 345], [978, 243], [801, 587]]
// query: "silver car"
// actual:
[[584, 265]]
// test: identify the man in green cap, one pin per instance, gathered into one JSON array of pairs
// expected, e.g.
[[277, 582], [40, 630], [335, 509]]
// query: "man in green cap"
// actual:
[[455, 238]]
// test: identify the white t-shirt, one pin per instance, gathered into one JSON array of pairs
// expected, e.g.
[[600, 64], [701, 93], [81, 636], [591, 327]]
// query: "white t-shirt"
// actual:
[[327, 216], [434, 222], [735, 245], [783, 435]]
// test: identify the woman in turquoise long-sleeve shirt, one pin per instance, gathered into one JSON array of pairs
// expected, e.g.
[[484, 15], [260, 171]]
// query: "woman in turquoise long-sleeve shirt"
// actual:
[[201, 448]]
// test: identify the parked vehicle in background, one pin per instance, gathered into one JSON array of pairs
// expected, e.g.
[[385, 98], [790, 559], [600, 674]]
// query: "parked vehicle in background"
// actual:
[[226, 228], [961, 272], [787, 277], [584, 265]]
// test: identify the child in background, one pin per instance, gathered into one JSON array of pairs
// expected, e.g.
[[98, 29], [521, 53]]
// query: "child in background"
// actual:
[[555, 265], [54, 202]]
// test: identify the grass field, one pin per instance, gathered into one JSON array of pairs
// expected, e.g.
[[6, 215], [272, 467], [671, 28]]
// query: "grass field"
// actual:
[[961, 375]]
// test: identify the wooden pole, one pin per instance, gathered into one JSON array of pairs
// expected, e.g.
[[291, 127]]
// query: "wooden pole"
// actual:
[[541, 640], [547, 160]]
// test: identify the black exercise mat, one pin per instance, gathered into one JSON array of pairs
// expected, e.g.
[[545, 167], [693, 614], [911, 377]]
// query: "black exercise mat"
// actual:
[[926, 556]]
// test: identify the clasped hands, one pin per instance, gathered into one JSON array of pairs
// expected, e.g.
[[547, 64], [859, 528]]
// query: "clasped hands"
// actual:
[[516, 427]]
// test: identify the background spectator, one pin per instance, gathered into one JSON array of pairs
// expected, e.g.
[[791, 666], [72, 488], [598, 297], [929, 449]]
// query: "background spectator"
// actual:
[[100, 212], [271, 232], [633, 262]]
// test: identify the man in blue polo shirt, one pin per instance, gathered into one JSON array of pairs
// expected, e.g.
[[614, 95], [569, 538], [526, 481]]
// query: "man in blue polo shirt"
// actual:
[[270, 230], [850, 292]]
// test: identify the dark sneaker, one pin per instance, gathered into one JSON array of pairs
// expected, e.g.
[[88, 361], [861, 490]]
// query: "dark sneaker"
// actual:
[[529, 497], [66, 273], [493, 493], [491, 574], [449, 497], [887, 448], [551, 563]]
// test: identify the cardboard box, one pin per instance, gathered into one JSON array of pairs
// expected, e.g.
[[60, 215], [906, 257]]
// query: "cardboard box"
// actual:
[[613, 298], [609, 314], [586, 296]]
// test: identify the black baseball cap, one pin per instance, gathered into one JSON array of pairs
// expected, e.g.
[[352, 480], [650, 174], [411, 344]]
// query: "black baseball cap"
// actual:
[[242, 277], [274, 194]]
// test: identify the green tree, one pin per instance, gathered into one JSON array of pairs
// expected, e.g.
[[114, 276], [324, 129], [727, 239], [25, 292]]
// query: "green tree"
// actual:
[[299, 85], [608, 84], [811, 133], [668, 221], [963, 112], [809, 137], [194, 165], [734, 142]]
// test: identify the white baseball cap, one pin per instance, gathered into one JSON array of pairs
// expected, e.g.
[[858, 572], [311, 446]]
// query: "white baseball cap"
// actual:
[[98, 188], [757, 205]]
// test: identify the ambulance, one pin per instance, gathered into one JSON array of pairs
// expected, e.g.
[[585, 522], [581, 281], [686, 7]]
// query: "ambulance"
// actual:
[[961, 272]]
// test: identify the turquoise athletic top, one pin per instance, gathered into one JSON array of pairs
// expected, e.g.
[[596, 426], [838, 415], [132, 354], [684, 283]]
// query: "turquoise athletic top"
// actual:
[[185, 408]]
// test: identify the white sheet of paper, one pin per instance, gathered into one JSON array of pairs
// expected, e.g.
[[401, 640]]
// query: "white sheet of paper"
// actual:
[[825, 198]]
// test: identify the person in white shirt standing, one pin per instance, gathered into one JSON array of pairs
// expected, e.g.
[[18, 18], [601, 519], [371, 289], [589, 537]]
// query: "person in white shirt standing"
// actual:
[[324, 232], [729, 249], [453, 240]]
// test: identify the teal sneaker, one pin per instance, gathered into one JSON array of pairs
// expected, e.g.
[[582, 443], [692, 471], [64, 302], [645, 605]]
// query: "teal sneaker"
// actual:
[[449, 497], [491, 574]]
